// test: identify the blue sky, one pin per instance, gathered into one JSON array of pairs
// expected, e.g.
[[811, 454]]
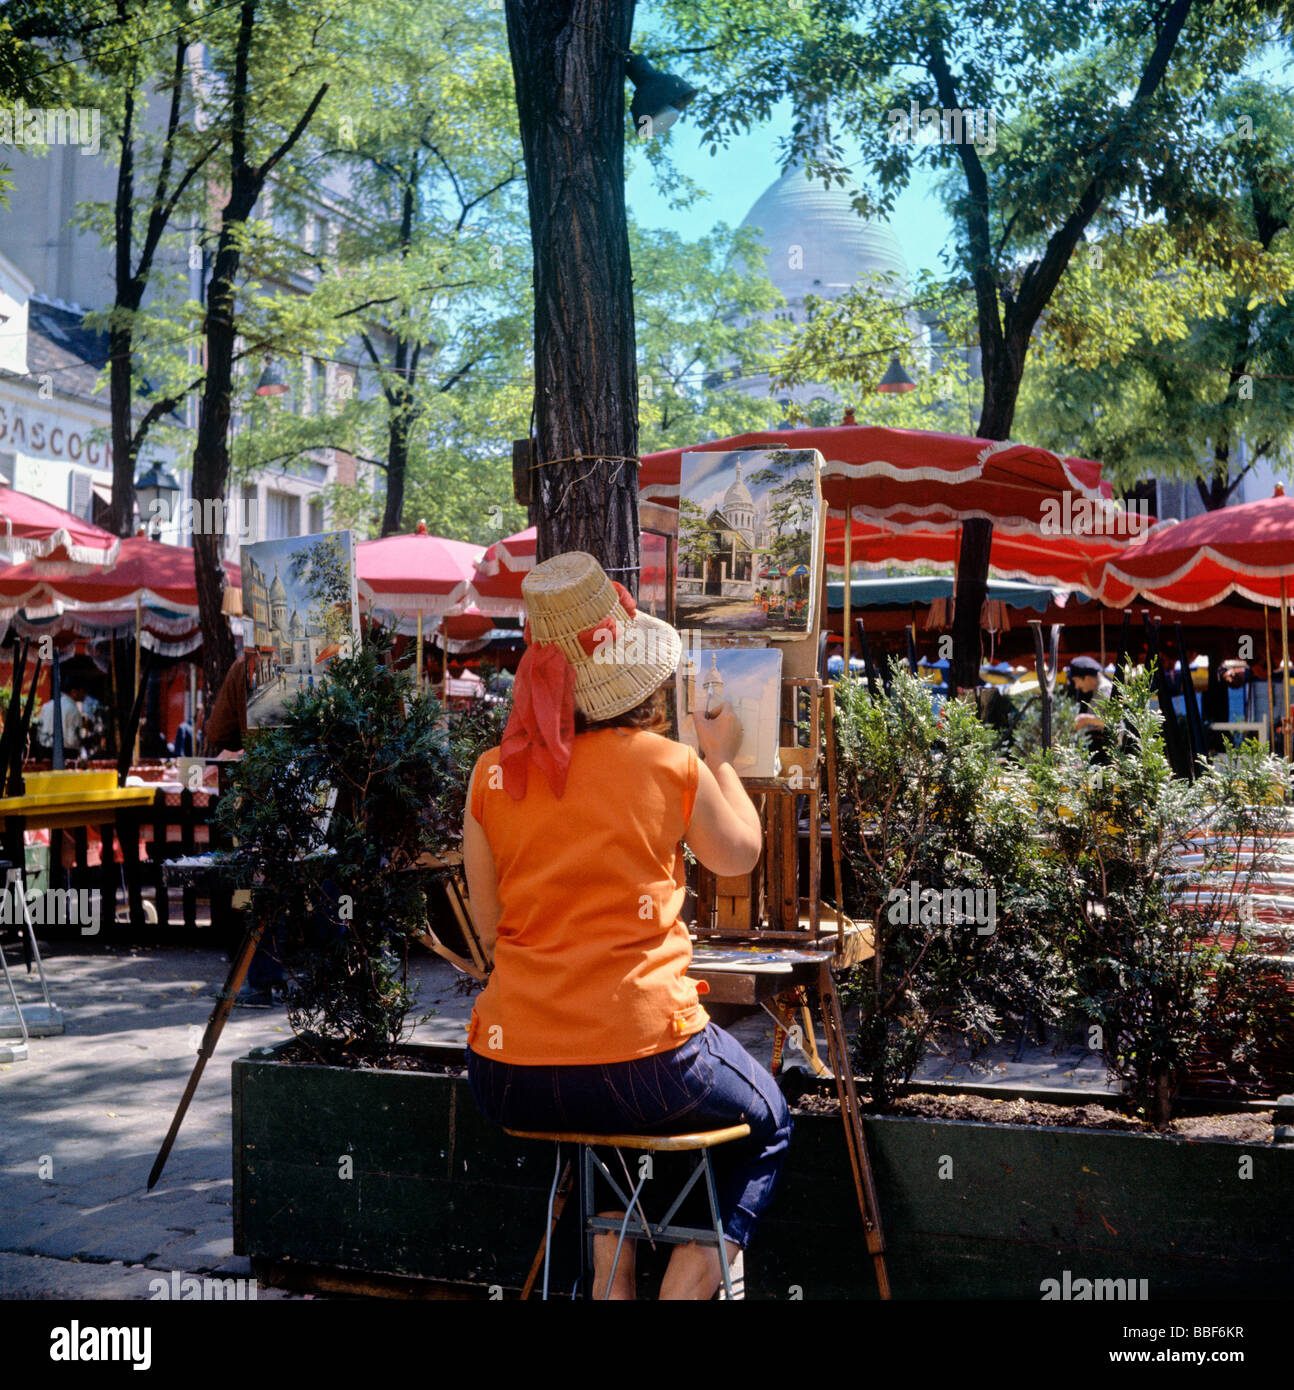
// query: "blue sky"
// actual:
[[737, 175]]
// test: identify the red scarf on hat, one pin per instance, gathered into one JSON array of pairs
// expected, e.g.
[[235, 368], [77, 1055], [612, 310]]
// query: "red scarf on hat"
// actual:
[[541, 727]]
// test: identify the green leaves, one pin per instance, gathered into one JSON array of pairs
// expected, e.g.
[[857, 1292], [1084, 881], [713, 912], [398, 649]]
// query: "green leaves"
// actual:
[[1156, 947], [397, 767]]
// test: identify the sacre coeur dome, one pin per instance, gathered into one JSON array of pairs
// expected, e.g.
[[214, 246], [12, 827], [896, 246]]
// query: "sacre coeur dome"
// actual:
[[836, 245]]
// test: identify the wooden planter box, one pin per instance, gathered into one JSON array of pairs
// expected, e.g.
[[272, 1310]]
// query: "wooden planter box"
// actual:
[[970, 1210]]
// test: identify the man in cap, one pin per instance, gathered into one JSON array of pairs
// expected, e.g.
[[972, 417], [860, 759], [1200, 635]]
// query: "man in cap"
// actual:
[[1087, 684]]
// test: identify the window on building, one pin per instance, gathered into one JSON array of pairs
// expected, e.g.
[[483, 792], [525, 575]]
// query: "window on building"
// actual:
[[315, 512], [282, 515]]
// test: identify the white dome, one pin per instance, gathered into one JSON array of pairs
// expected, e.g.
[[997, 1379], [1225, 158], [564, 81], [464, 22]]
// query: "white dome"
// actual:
[[738, 498], [816, 243]]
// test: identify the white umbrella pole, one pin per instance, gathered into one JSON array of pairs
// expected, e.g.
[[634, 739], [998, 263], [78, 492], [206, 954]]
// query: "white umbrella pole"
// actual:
[[1285, 660], [139, 616]]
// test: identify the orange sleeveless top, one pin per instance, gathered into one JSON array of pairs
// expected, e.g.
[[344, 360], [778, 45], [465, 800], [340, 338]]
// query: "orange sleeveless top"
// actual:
[[591, 960]]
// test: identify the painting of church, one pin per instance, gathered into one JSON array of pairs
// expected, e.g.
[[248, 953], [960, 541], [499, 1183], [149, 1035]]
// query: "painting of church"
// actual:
[[746, 540], [747, 678], [294, 644]]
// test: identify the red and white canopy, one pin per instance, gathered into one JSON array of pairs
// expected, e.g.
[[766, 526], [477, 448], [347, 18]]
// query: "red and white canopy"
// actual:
[[919, 480], [55, 541], [496, 584], [1190, 565], [1063, 562], [146, 572], [416, 574]]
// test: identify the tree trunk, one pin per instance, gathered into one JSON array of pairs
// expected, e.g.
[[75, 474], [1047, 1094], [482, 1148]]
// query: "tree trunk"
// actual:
[[397, 465], [570, 83], [1002, 374], [121, 390], [211, 449]]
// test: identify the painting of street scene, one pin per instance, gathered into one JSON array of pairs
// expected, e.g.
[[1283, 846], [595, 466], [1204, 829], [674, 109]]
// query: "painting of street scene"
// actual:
[[747, 552], [301, 596], [747, 678]]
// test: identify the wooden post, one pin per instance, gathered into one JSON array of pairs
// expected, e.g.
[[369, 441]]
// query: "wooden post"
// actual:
[[1285, 660], [418, 657], [1271, 699], [139, 621], [849, 580], [444, 667], [1046, 680]]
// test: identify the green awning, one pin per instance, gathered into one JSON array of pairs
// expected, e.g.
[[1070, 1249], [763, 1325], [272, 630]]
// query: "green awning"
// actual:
[[906, 590]]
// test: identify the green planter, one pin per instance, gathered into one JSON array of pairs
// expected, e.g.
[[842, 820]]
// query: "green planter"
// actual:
[[436, 1192]]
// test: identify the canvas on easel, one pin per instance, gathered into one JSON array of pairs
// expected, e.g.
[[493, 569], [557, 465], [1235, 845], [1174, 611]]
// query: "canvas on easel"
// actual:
[[747, 678], [749, 560], [301, 601]]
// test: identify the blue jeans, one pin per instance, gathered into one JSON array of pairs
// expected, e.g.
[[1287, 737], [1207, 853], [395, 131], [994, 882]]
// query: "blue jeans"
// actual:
[[707, 1083]]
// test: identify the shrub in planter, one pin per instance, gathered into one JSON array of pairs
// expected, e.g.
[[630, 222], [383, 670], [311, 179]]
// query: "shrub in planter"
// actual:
[[935, 822], [337, 886], [1160, 954]]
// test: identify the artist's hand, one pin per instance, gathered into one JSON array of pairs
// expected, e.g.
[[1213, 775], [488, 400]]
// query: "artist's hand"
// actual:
[[718, 737], [1088, 721]]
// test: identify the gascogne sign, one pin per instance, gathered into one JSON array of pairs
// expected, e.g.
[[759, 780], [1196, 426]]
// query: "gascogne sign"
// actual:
[[43, 436]]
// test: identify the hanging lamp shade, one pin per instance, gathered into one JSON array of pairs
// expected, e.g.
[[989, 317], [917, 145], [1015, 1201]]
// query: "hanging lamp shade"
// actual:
[[895, 378], [272, 382]]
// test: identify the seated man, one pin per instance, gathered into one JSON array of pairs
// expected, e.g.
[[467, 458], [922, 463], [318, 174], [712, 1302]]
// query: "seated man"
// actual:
[[1086, 686]]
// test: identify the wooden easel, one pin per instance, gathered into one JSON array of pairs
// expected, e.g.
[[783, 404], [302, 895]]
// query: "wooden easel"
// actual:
[[764, 911]]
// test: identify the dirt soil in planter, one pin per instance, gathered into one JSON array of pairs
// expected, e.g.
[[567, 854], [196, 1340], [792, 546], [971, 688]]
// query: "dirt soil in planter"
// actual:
[[1247, 1127], [333, 1055]]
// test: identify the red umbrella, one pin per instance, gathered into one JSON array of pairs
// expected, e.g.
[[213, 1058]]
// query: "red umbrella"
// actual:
[[1064, 562], [54, 541], [420, 574], [1195, 564], [417, 576], [146, 572], [496, 584], [918, 479]]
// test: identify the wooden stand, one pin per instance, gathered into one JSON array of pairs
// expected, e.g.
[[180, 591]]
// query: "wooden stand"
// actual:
[[791, 953]]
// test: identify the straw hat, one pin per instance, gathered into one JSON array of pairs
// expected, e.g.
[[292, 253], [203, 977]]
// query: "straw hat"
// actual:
[[571, 594]]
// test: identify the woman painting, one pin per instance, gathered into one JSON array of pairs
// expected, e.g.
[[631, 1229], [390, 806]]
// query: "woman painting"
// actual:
[[572, 847]]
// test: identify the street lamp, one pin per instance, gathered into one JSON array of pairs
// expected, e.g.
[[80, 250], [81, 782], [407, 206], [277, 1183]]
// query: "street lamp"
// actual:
[[272, 382], [895, 378], [659, 97], [157, 492]]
